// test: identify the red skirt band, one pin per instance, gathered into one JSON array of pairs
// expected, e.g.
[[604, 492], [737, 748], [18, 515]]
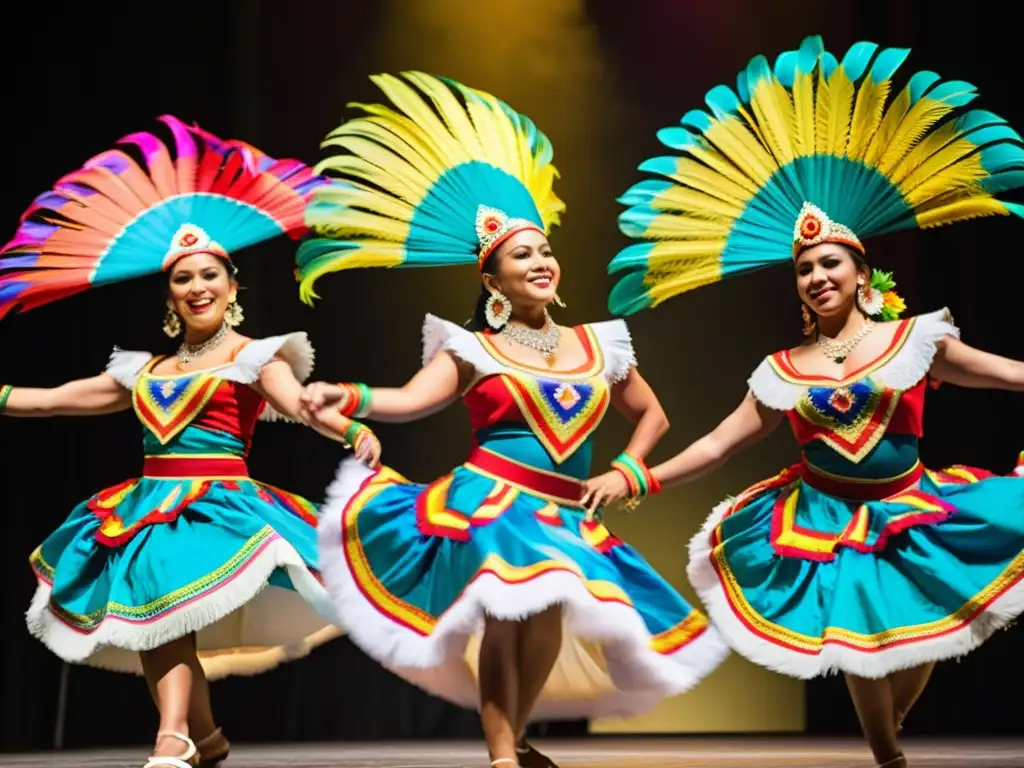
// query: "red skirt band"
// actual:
[[561, 489], [195, 466], [859, 489]]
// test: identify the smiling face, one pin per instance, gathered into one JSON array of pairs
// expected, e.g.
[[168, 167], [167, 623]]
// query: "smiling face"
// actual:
[[827, 277], [201, 288], [525, 271]]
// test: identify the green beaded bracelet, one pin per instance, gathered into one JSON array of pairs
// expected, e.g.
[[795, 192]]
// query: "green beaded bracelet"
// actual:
[[352, 433]]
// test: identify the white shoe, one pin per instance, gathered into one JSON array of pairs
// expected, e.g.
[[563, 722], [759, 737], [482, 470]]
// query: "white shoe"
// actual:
[[181, 761]]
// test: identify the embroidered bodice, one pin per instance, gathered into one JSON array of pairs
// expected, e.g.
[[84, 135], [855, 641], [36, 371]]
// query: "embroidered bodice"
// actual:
[[211, 411], [867, 424], [542, 417]]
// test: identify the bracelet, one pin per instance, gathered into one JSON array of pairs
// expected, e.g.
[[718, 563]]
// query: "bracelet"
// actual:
[[359, 400], [5, 392], [638, 477], [355, 433]]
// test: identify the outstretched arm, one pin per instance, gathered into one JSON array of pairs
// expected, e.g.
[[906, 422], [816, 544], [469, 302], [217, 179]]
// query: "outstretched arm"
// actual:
[[284, 392], [433, 388], [749, 423], [94, 396], [962, 365], [634, 399]]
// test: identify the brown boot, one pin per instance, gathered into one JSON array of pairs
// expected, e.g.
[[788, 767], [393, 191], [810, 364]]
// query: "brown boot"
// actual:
[[896, 762], [213, 750]]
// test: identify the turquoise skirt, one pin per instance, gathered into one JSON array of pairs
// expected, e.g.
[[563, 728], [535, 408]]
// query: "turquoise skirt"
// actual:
[[414, 570], [154, 559], [806, 583]]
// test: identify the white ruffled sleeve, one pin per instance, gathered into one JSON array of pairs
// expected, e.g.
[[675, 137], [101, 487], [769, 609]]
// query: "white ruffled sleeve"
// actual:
[[444, 336], [617, 348], [125, 366], [293, 348], [913, 361], [772, 390]]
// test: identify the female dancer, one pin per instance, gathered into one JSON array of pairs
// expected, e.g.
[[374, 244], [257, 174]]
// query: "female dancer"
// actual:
[[857, 558], [152, 573], [491, 586]]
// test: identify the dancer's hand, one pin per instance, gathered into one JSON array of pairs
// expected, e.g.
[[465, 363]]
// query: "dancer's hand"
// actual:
[[319, 395], [368, 448], [603, 490]]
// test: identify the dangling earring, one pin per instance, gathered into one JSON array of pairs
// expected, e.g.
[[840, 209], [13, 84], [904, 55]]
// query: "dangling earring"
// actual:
[[559, 302], [862, 297], [498, 311], [808, 320], [233, 314], [172, 323]]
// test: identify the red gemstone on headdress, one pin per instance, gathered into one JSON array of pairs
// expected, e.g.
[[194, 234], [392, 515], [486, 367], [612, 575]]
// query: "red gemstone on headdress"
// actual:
[[810, 226], [188, 240], [491, 225]]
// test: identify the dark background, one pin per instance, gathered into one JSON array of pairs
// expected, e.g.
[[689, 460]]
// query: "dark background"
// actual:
[[75, 77]]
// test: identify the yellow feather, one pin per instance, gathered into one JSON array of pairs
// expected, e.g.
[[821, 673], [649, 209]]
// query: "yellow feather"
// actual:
[[394, 157], [840, 109], [919, 119], [955, 157], [744, 150], [409, 102], [803, 114], [510, 146], [887, 129], [700, 176], [401, 138], [352, 194], [704, 207], [685, 275], [669, 255], [356, 166], [773, 110], [821, 115], [398, 165], [398, 124], [452, 112], [956, 179], [961, 210], [353, 222], [686, 228], [929, 146], [369, 254], [497, 137], [867, 115]]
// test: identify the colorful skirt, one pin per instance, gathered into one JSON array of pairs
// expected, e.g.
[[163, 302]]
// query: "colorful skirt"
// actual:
[[153, 559], [807, 583], [414, 571]]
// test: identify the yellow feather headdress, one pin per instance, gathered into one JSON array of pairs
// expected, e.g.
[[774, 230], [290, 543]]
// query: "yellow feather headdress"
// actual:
[[803, 153], [441, 180]]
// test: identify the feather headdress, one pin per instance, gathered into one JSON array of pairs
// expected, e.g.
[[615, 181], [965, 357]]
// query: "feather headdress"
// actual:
[[115, 219], [812, 150], [440, 180]]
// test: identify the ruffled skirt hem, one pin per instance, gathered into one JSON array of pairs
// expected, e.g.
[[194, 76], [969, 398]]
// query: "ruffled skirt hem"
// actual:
[[607, 666], [244, 625], [749, 635]]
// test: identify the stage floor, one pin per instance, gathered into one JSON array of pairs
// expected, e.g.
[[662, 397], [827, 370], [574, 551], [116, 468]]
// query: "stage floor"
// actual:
[[594, 753]]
